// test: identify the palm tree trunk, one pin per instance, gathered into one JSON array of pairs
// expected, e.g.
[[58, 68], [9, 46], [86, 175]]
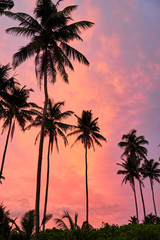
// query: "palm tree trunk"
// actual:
[[140, 186], [41, 149], [86, 183], [47, 184], [135, 197], [153, 197], [5, 149]]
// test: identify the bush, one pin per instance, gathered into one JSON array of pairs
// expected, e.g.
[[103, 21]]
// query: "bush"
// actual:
[[114, 232]]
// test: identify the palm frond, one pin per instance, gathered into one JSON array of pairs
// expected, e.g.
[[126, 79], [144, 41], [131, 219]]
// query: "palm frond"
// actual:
[[73, 53]]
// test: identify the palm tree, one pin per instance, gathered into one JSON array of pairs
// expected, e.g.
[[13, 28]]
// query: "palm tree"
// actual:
[[150, 169], [72, 223], [88, 133], [6, 82], [133, 220], [14, 108], [54, 127], [130, 173], [5, 228], [5, 4], [50, 34], [135, 150]]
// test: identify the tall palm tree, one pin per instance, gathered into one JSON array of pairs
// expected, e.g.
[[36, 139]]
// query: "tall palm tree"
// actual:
[[130, 173], [54, 127], [50, 33], [151, 169], [88, 133], [133, 146], [5, 5], [15, 108]]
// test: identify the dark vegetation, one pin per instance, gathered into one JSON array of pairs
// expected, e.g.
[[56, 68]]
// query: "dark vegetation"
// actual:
[[9, 230]]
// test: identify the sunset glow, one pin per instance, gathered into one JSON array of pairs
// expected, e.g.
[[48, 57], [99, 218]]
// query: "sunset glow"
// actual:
[[121, 87]]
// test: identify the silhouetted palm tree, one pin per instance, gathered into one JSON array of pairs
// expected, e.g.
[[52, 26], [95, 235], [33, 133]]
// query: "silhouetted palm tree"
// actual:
[[88, 133], [151, 169], [5, 228], [50, 34], [130, 173], [54, 127], [26, 228], [6, 82], [133, 220], [15, 108], [5, 5], [135, 150], [72, 223]]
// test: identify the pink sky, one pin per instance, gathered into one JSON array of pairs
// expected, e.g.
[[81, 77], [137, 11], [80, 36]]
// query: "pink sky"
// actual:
[[121, 87]]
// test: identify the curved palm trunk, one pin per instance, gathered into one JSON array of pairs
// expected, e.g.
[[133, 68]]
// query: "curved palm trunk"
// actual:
[[41, 150], [5, 149], [153, 197], [47, 184], [86, 183], [135, 198]]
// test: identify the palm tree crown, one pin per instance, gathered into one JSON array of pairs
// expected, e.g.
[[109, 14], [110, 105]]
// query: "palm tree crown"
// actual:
[[53, 124], [151, 169], [88, 130], [5, 4], [72, 223], [6, 82], [129, 171], [50, 33], [15, 108], [133, 145]]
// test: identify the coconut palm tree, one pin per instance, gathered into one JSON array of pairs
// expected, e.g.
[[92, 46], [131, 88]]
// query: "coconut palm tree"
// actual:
[[134, 149], [88, 133], [133, 220], [72, 223], [14, 108], [6, 82], [50, 33], [130, 174], [151, 169], [54, 127], [5, 5]]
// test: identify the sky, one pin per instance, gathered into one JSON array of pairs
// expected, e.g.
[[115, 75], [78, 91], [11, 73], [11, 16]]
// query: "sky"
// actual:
[[121, 87]]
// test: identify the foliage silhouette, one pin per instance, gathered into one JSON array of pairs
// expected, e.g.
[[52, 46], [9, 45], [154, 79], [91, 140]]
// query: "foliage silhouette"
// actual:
[[14, 107], [5, 5], [50, 33], [88, 133], [151, 169], [130, 173], [54, 127], [134, 149]]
